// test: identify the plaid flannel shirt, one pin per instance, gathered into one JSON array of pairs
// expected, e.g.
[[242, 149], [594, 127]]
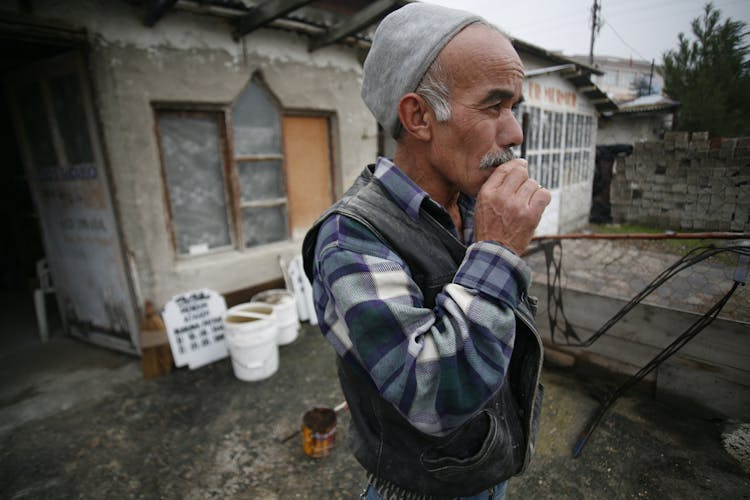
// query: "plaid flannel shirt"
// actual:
[[438, 366]]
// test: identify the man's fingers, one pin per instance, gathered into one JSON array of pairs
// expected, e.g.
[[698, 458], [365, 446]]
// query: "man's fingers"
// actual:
[[502, 172], [540, 198], [527, 189]]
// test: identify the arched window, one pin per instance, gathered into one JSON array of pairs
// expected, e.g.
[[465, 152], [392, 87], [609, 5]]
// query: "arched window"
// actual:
[[259, 163]]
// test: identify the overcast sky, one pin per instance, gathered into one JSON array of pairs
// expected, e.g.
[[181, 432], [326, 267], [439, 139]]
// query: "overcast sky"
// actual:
[[641, 29]]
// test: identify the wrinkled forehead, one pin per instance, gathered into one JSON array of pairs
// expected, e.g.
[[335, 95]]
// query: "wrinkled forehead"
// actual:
[[478, 53]]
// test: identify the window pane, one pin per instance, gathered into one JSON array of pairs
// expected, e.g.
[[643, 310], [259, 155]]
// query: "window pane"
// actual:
[[546, 129], [534, 128], [195, 180], [533, 165], [35, 122], [256, 122], [545, 181], [71, 120], [577, 163], [260, 180], [587, 167], [589, 131], [558, 130], [555, 180], [262, 225]]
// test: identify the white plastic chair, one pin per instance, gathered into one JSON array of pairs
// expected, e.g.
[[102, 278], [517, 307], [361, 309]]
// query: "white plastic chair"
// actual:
[[302, 291]]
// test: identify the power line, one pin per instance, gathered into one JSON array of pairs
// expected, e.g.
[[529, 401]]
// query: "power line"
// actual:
[[552, 22], [623, 40]]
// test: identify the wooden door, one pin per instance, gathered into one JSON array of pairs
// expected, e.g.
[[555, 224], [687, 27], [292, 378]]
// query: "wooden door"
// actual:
[[307, 155], [54, 117]]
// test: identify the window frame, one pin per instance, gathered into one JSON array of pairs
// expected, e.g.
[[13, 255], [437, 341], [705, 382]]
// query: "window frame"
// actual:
[[219, 112], [559, 164], [238, 205]]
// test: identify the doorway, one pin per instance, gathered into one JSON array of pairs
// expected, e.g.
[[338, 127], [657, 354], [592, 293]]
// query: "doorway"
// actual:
[[21, 248]]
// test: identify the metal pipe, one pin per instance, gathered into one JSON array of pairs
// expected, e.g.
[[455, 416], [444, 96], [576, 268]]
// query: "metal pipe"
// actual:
[[645, 236]]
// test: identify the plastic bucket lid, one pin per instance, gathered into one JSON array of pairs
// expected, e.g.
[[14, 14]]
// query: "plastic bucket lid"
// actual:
[[250, 324], [275, 296]]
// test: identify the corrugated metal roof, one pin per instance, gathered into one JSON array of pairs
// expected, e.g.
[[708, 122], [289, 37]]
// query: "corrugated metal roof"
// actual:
[[647, 104]]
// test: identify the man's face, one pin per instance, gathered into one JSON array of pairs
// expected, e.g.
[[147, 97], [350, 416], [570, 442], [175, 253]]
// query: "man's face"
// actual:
[[486, 80]]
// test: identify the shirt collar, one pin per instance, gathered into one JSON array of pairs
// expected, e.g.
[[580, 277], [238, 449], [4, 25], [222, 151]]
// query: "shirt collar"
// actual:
[[407, 195]]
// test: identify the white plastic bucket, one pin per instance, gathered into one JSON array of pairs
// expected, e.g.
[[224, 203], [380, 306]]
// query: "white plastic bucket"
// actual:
[[251, 331], [285, 306]]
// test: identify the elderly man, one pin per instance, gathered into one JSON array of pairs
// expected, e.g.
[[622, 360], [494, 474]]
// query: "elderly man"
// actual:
[[417, 276]]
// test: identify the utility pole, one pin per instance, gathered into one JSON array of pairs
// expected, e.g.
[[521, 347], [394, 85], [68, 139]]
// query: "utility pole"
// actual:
[[651, 78], [595, 27]]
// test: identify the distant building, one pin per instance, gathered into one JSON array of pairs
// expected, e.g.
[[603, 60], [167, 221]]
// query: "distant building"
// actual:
[[620, 76], [643, 119]]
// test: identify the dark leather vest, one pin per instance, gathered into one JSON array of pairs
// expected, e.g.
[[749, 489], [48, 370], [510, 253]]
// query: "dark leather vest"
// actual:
[[492, 446]]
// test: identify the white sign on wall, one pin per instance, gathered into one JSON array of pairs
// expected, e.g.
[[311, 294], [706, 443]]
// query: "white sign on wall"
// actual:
[[195, 327]]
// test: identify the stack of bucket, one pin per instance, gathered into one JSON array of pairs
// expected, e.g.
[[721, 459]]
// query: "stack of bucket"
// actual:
[[286, 313], [255, 330]]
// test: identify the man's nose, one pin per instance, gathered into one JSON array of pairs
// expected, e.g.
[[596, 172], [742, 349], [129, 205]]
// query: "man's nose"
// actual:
[[510, 132]]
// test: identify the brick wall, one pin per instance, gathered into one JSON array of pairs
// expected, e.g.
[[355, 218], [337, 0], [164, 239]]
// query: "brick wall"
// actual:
[[685, 182]]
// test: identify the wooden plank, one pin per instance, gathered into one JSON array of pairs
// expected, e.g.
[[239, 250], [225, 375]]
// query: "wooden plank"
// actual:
[[264, 14], [612, 353], [712, 369], [355, 23], [308, 170], [723, 343], [155, 9]]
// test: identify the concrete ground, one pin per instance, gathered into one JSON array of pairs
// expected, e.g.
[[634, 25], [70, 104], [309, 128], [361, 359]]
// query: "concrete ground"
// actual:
[[78, 421]]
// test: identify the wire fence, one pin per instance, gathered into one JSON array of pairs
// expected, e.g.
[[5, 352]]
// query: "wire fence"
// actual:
[[622, 266], [680, 272]]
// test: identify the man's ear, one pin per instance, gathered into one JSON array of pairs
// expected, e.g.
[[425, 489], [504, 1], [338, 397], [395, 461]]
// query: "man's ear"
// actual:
[[416, 116]]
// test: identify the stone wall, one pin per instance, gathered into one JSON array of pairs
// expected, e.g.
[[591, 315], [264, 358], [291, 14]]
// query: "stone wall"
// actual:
[[685, 182]]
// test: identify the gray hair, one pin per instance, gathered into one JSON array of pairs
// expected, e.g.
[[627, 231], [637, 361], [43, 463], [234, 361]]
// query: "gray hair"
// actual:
[[434, 88]]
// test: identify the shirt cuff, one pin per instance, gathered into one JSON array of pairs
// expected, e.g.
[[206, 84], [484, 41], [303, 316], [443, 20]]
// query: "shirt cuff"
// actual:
[[494, 271]]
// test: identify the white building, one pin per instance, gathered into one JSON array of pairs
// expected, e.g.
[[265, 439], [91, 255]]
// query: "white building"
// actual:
[[620, 76]]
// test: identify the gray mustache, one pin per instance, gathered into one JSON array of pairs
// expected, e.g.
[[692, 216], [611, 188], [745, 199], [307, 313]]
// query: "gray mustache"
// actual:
[[493, 159]]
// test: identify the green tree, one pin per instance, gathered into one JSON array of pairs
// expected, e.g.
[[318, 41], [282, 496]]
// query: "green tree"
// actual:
[[710, 76]]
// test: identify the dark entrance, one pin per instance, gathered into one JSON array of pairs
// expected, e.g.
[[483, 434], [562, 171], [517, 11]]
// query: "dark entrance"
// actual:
[[21, 249], [606, 155]]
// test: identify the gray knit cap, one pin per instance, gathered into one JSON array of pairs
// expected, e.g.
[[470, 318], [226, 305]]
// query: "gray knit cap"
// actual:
[[403, 48]]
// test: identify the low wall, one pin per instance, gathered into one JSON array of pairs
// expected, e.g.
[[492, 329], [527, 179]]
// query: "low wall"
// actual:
[[685, 182], [711, 369]]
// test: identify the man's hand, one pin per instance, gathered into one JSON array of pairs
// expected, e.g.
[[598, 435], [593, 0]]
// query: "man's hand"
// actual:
[[509, 206]]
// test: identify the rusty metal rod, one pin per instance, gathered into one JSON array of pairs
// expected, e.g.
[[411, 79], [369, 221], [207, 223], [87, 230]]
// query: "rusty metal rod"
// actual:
[[644, 236]]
